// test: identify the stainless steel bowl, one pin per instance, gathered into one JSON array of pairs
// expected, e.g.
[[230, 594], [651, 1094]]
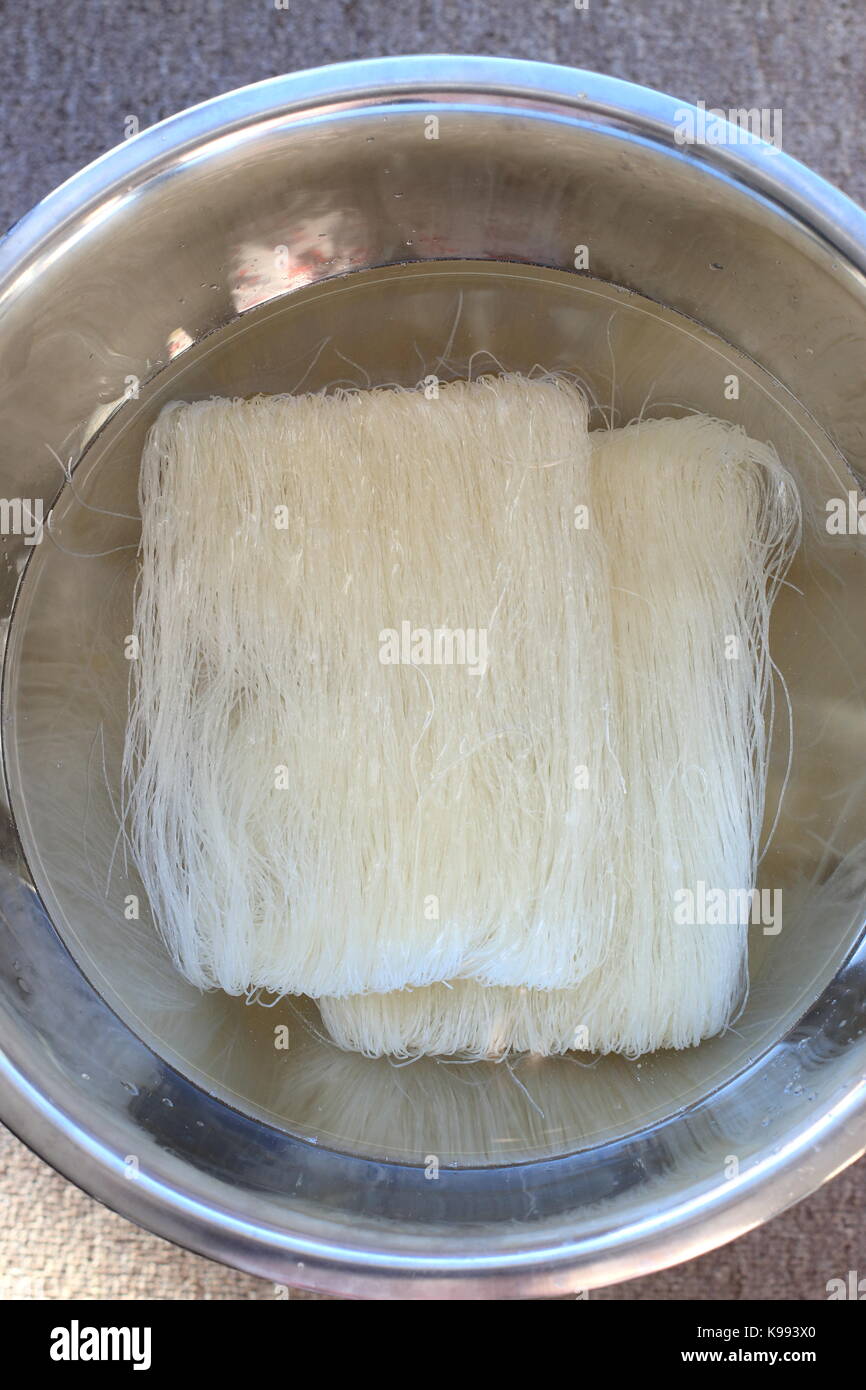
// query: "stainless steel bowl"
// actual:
[[380, 220]]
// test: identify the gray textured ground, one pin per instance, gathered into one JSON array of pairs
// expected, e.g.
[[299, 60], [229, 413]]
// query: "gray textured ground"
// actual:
[[69, 76], [71, 73]]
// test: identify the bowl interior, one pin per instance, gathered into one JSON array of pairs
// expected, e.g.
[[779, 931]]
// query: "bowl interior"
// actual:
[[66, 700]]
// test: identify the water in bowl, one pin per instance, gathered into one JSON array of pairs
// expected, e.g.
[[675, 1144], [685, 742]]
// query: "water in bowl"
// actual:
[[66, 698]]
